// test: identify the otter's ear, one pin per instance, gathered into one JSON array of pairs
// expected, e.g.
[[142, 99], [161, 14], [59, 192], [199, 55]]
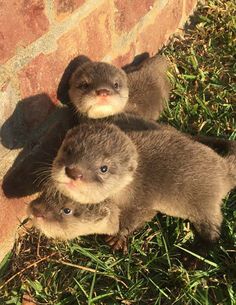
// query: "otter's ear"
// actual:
[[63, 87], [136, 63]]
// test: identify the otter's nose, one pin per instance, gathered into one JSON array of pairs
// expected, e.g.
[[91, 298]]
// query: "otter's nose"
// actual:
[[73, 173], [103, 92]]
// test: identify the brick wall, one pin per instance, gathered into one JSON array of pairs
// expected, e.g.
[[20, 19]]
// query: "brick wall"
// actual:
[[38, 38], [41, 36]]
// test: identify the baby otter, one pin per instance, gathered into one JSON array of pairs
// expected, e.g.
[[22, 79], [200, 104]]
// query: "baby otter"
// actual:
[[98, 89], [59, 217], [143, 173]]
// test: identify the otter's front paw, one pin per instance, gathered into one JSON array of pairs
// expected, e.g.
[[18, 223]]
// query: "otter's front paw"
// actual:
[[118, 242]]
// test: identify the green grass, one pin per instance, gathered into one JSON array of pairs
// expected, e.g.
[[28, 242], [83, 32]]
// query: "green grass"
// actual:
[[165, 264]]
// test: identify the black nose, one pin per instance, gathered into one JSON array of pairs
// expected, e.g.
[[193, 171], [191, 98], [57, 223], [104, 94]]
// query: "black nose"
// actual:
[[103, 92], [73, 173]]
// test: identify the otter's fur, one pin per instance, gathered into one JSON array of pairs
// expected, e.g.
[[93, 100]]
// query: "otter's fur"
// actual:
[[147, 172]]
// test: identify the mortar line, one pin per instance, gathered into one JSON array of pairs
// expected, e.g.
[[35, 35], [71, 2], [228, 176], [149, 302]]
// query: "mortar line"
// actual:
[[130, 36], [41, 45]]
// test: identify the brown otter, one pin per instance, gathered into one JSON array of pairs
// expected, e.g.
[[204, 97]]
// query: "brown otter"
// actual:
[[143, 173], [22, 179], [98, 89], [61, 218]]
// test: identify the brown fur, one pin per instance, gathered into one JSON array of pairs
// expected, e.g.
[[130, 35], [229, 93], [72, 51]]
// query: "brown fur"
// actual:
[[143, 91], [148, 172], [149, 88]]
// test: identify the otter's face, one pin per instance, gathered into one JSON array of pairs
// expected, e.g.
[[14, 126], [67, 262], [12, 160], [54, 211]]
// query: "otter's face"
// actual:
[[98, 90], [64, 219], [94, 162]]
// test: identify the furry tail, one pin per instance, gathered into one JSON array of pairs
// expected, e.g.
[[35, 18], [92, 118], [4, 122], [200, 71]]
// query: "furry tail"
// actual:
[[221, 146]]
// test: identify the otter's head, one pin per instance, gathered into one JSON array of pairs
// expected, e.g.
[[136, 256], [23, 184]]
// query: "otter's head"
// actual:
[[61, 218], [98, 90], [94, 162]]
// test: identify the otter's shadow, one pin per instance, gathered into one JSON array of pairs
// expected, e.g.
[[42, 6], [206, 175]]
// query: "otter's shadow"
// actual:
[[33, 119], [27, 121]]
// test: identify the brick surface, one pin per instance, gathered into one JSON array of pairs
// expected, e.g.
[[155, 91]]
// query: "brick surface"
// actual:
[[129, 12], [8, 101], [165, 24], [65, 8], [21, 22], [125, 58], [189, 5], [12, 212], [43, 73]]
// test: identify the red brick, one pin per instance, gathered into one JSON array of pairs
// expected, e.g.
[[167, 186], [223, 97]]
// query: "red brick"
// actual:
[[125, 58], [12, 212], [44, 72], [21, 22], [189, 6], [164, 25], [40, 76], [129, 13], [65, 8]]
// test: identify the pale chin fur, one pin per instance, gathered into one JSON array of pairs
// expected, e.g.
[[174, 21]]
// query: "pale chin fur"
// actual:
[[92, 193], [94, 110]]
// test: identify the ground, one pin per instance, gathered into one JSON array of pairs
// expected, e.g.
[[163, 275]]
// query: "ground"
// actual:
[[165, 263]]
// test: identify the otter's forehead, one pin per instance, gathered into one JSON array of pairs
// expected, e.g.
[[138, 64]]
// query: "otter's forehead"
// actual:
[[103, 140], [98, 71]]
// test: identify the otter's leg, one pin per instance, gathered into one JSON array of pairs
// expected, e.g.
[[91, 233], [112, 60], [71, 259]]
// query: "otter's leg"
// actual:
[[130, 219], [208, 224]]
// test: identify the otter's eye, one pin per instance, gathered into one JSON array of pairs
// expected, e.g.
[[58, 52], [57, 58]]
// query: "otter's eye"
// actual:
[[67, 211], [83, 85], [103, 169], [116, 85]]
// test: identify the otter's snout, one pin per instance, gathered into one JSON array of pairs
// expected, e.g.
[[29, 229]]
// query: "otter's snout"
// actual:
[[73, 173], [103, 92]]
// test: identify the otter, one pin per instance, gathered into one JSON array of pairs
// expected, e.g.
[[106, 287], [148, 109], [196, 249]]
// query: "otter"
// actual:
[[148, 77], [143, 173], [59, 217], [98, 89]]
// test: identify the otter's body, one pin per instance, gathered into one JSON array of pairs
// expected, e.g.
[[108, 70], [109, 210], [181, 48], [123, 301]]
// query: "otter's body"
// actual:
[[149, 88], [142, 173]]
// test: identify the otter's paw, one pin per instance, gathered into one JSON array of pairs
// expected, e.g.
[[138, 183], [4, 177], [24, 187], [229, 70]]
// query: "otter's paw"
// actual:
[[118, 242]]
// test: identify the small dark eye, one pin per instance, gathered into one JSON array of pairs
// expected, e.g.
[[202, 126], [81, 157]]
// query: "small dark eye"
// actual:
[[116, 85], [67, 211], [83, 85], [103, 169]]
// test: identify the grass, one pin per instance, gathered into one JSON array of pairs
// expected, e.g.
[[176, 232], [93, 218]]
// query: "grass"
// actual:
[[165, 264]]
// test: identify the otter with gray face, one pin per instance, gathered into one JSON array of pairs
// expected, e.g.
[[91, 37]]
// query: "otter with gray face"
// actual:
[[143, 173], [98, 89]]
